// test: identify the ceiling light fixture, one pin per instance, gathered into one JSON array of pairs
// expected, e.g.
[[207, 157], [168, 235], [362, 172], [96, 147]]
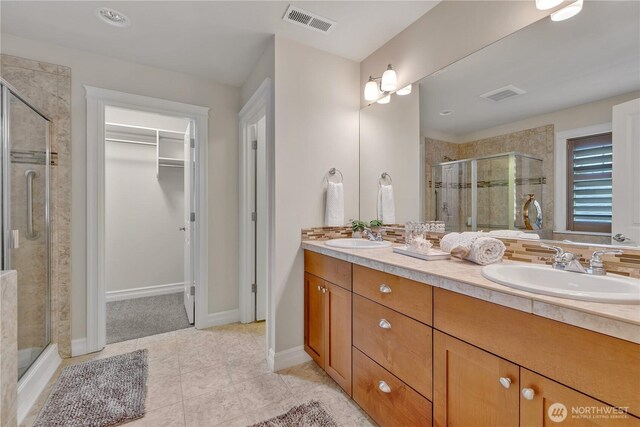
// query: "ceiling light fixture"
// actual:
[[547, 4], [384, 100], [567, 12], [388, 83], [112, 17], [404, 91]]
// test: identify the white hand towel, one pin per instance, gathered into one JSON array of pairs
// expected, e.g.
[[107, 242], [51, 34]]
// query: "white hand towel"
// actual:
[[334, 213], [386, 205], [486, 250], [473, 246]]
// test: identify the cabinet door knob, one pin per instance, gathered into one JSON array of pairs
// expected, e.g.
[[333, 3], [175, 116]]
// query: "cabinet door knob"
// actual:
[[385, 289], [320, 288], [528, 393], [384, 387], [384, 324], [324, 289], [506, 382]]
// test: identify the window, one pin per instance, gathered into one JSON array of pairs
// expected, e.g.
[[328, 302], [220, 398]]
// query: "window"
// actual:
[[589, 184]]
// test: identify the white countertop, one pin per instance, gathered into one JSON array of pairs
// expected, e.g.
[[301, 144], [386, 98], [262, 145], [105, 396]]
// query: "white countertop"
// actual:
[[617, 320]]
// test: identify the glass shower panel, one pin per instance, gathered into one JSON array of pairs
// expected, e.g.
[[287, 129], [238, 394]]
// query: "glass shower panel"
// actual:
[[495, 193], [27, 167], [452, 194], [529, 180]]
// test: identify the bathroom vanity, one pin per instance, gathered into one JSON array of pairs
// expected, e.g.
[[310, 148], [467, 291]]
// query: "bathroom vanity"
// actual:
[[434, 343]]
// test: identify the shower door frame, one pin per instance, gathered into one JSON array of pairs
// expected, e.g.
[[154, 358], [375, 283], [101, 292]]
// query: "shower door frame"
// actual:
[[97, 100], [5, 199]]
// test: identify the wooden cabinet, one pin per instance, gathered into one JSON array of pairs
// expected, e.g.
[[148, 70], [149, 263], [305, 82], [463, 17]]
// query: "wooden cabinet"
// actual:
[[396, 342], [314, 314], [472, 387], [548, 403], [327, 318], [387, 399]]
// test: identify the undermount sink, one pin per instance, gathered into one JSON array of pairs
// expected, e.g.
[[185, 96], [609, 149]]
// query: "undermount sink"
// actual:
[[565, 284], [357, 244]]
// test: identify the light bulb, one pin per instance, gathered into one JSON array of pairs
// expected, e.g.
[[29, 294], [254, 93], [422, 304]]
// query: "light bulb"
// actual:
[[567, 12], [371, 92], [385, 100], [547, 4], [404, 91], [389, 80]]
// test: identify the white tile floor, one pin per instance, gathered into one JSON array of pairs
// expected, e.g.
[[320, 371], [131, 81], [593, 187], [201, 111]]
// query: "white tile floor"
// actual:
[[219, 377]]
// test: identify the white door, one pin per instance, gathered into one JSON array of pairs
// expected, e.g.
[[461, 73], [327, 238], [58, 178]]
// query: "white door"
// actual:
[[189, 224], [261, 222], [625, 227]]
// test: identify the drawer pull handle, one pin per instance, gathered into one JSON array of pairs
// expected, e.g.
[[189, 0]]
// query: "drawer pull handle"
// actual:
[[506, 382], [384, 324], [528, 393], [385, 289], [384, 387]]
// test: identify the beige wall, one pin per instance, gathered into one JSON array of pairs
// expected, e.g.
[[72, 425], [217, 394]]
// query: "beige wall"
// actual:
[[265, 67], [390, 142], [224, 103], [447, 33], [316, 128]]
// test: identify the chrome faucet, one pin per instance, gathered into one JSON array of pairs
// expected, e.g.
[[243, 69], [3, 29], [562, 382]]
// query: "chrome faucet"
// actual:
[[568, 261], [596, 266], [374, 237]]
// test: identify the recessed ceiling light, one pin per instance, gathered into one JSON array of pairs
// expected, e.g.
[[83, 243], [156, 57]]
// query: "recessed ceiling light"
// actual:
[[446, 112], [112, 17]]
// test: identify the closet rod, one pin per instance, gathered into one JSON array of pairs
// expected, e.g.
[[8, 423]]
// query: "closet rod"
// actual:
[[129, 141]]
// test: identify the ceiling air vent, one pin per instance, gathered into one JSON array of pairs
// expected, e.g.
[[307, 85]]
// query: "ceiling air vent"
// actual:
[[503, 93], [309, 20]]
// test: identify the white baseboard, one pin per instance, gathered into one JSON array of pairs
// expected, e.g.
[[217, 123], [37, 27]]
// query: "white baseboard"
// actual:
[[221, 318], [34, 381], [286, 358], [78, 347], [147, 291]]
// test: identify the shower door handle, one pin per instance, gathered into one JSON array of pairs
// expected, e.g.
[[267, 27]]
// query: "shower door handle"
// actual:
[[31, 234], [15, 239]]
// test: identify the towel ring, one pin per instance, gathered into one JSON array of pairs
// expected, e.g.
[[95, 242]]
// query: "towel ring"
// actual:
[[332, 172], [383, 177]]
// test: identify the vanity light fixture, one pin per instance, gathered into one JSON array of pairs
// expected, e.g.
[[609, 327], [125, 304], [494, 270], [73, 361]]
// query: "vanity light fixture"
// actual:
[[112, 17], [404, 91], [568, 11], [388, 83], [547, 4], [384, 100]]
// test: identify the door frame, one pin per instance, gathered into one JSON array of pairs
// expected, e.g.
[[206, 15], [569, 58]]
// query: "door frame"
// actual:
[[97, 100], [260, 104]]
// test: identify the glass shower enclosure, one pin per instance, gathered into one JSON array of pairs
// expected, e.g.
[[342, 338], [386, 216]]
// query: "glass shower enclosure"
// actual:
[[497, 192], [25, 166]]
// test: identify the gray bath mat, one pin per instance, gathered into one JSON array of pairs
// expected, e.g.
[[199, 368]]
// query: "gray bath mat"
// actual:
[[310, 414], [99, 393]]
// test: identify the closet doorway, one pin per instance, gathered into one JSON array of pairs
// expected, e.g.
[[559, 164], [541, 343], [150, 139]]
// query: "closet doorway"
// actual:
[[147, 244]]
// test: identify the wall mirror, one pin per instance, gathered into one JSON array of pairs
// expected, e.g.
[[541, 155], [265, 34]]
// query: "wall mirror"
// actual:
[[538, 132]]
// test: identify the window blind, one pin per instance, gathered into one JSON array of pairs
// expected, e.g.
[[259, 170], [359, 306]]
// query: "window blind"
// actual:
[[590, 185]]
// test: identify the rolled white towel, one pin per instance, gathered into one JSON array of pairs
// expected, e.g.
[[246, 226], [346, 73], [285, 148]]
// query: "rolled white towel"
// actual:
[[514, 234], [486, 250], [334, 213], [458, 240], [386, 205]]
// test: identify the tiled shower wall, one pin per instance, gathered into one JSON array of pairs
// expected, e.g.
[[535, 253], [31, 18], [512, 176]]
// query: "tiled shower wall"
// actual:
[[48, 87], [537, 142]]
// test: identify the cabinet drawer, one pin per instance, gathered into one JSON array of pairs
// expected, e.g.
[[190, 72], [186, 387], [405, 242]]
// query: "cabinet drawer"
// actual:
[[406, 296], [601, 366], [400, 344], [330, 269], [386, 399]]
